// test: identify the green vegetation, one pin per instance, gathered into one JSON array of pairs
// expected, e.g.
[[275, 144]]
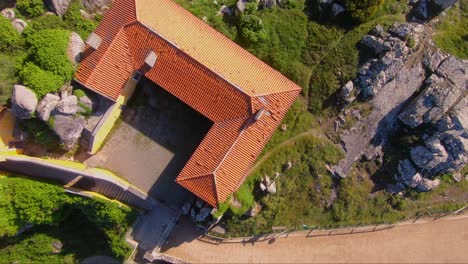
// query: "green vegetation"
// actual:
[[338, 63], [51, 55], [39, 80], [10, 39], [30, 8], [7, 77], [56, 216], [452, 32], [79, 93], [37, 58], [75, 22], [362, 10], [297, 200], [44, 22], [297, 121], [41, 133]]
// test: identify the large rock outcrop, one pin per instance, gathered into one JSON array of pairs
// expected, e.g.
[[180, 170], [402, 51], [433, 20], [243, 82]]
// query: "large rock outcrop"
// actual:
[[68, 128], [23, 102], [442, 106], [389, 81], [389, 51], [447, 86]]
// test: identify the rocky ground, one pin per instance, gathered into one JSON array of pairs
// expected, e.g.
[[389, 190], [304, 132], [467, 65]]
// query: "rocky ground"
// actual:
[[410, 85]]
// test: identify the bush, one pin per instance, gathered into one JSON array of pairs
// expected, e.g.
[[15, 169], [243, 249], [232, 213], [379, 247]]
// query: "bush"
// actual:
[[52, 55], [10, 39], [31, 8], [40, 81], [252, 29], [44, 22], [362, 10], [75, 22], [7, 77], [41, 133], [79, 93], [24, 201]]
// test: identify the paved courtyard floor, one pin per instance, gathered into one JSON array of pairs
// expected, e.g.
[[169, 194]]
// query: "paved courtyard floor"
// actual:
[[153, 141]]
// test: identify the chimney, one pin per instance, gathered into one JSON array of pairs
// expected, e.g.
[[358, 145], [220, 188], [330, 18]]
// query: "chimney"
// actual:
[[151, 58], [94, 41], [259, 114]]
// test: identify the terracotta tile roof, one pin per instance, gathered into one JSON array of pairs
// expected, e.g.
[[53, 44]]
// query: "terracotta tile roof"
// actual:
[[211, 48], [203, 69]]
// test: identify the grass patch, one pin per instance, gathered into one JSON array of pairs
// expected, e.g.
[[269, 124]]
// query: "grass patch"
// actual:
[[452, 32], [297, 120]]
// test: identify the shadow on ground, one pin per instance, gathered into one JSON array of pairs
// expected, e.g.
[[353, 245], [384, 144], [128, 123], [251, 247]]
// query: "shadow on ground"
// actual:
[[155, 138]]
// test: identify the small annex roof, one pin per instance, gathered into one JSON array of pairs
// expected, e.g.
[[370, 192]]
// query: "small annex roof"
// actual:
[[243, 97]]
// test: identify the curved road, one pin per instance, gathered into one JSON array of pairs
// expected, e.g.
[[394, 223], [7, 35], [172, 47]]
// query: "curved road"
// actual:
[[441, 241]]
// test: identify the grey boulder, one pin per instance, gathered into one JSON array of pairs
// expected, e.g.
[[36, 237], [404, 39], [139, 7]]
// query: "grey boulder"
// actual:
[[68, 105], [97, 6], [59, 7], [23, 101], [337, 9], [374, 45], [68, 129], [19, 25], [75, 47], [46, 106], [8, 13]]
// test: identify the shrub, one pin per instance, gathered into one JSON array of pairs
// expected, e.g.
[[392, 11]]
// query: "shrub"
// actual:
[[362, 10], [252, 29], [75, 22], [31, 8], [44, 22], [52, 55], [10, 39], [7, 77], [38, 80], [41, 133], [25, 201]]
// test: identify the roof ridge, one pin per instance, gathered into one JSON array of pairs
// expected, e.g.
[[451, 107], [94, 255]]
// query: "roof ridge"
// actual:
[[193, 177]]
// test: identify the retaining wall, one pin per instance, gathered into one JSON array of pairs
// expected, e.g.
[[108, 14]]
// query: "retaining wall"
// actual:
[[94, 180]]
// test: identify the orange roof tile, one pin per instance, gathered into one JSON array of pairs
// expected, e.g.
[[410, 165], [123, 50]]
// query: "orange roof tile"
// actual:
[[204, 70]]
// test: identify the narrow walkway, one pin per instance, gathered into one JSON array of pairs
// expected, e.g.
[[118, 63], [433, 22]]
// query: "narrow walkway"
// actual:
[[441, 241], [7, 123]]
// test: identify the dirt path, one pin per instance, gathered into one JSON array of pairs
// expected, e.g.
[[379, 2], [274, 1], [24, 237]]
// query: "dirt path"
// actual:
[[442, 241], [288, 141]]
